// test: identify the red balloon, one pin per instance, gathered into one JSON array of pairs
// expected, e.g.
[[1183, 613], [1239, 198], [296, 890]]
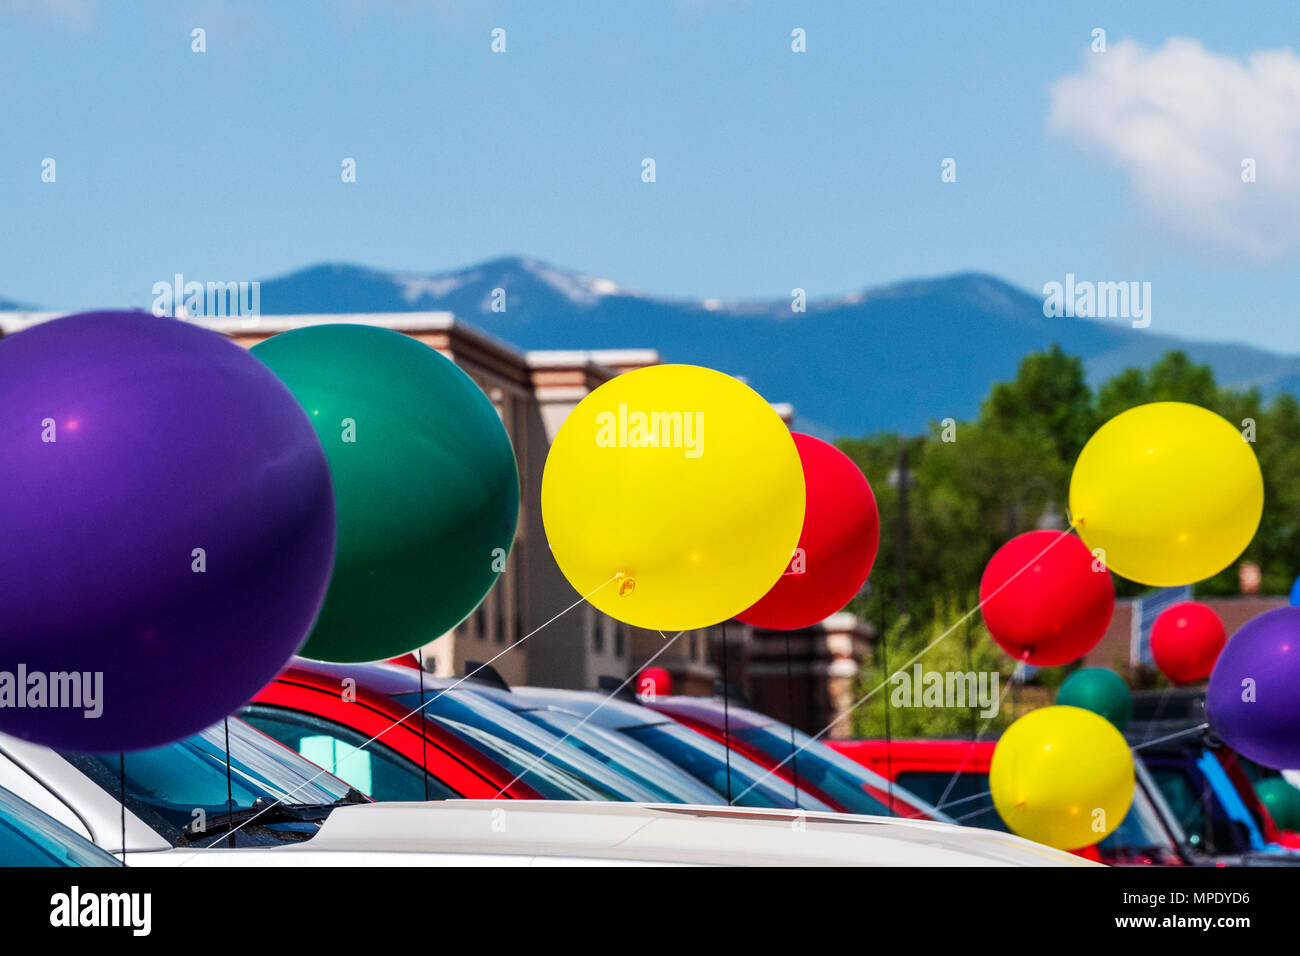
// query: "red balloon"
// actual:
[[1042, 601], [1186, 640], [841, 532]]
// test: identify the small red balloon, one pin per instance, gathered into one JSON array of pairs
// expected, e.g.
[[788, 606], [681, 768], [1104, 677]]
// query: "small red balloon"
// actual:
[[1186, 640], [841, 532], [1042, 601]]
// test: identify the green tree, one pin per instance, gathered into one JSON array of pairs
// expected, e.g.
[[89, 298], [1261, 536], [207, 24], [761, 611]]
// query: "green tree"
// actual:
[[1049, 397], [1175, 378], [974, 485], [950, 643]]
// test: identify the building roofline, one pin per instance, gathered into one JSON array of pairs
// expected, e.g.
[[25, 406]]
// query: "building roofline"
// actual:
[[601, 364], [601, 359], [11, 322]]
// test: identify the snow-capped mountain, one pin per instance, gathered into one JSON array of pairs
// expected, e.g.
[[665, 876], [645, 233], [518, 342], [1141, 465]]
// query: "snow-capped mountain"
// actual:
[[888, 358], [892, 357]]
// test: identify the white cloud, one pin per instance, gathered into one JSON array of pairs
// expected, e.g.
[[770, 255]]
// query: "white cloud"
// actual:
[[1179, 120]]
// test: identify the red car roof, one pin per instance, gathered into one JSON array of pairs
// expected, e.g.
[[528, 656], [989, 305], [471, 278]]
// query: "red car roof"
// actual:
[[379, 678], [892, 757]]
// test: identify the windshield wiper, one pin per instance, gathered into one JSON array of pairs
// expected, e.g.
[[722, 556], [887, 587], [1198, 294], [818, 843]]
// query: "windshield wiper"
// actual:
[[266, 812]]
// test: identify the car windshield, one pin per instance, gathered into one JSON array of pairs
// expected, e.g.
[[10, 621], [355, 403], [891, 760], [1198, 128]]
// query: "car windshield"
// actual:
[[168, 786], [970, 803], [669, 783], [709, 762], [840, 779], [29, 837], [1189, 805], [1140, 830], [373, 768], [555, 769]]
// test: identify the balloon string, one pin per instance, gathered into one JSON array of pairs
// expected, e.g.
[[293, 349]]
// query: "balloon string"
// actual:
[[970, 666], [1160, 707], [1134, 749], [906, 664], [121, 777], [424, 741], [974, 813], [1159, 740], [940, 804], [353, 753], [230, 789], [889, 742], [726, 716], [789, 704], [668, 642]]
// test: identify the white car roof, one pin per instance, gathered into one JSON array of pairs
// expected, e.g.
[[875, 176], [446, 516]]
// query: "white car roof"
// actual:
[[48, 781], [532, 832]]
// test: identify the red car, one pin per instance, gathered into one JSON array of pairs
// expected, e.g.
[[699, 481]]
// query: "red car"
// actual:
[[834, 779], [955, 775], [470, 746]]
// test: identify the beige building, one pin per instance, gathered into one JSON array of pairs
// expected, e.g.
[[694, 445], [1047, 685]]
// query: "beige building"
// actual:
[[562, 647]]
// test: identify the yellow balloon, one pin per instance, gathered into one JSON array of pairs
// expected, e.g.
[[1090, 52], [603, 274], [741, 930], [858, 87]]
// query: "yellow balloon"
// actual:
[[675, 494], [1169, 491], [1062, 776]]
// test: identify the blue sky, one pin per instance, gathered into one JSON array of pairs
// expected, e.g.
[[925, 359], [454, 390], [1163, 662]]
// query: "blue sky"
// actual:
[[774, 169]]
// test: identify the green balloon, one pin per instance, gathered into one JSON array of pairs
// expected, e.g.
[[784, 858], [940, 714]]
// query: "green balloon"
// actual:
[[425, 486], [1282, 801], [1101, 691]]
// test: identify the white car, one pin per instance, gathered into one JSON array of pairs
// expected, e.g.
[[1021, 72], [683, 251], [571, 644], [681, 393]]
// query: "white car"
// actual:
[[177, 794], [176, 815], [568, 833]]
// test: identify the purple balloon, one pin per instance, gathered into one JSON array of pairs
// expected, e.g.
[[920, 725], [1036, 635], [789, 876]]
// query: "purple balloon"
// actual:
[[127, 443], [1253, 702]]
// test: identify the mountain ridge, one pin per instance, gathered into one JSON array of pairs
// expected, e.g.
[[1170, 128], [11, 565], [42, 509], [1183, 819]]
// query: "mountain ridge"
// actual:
[[890, 357]]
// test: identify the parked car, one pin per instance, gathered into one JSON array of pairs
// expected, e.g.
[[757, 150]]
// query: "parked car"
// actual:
[[471, 746], [31, 837], [1204, 781], [1257, 775], [566, 833], [1212, 800], [793, 756], [622, 754], [954, 774], [701, 758], [178, 795]]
